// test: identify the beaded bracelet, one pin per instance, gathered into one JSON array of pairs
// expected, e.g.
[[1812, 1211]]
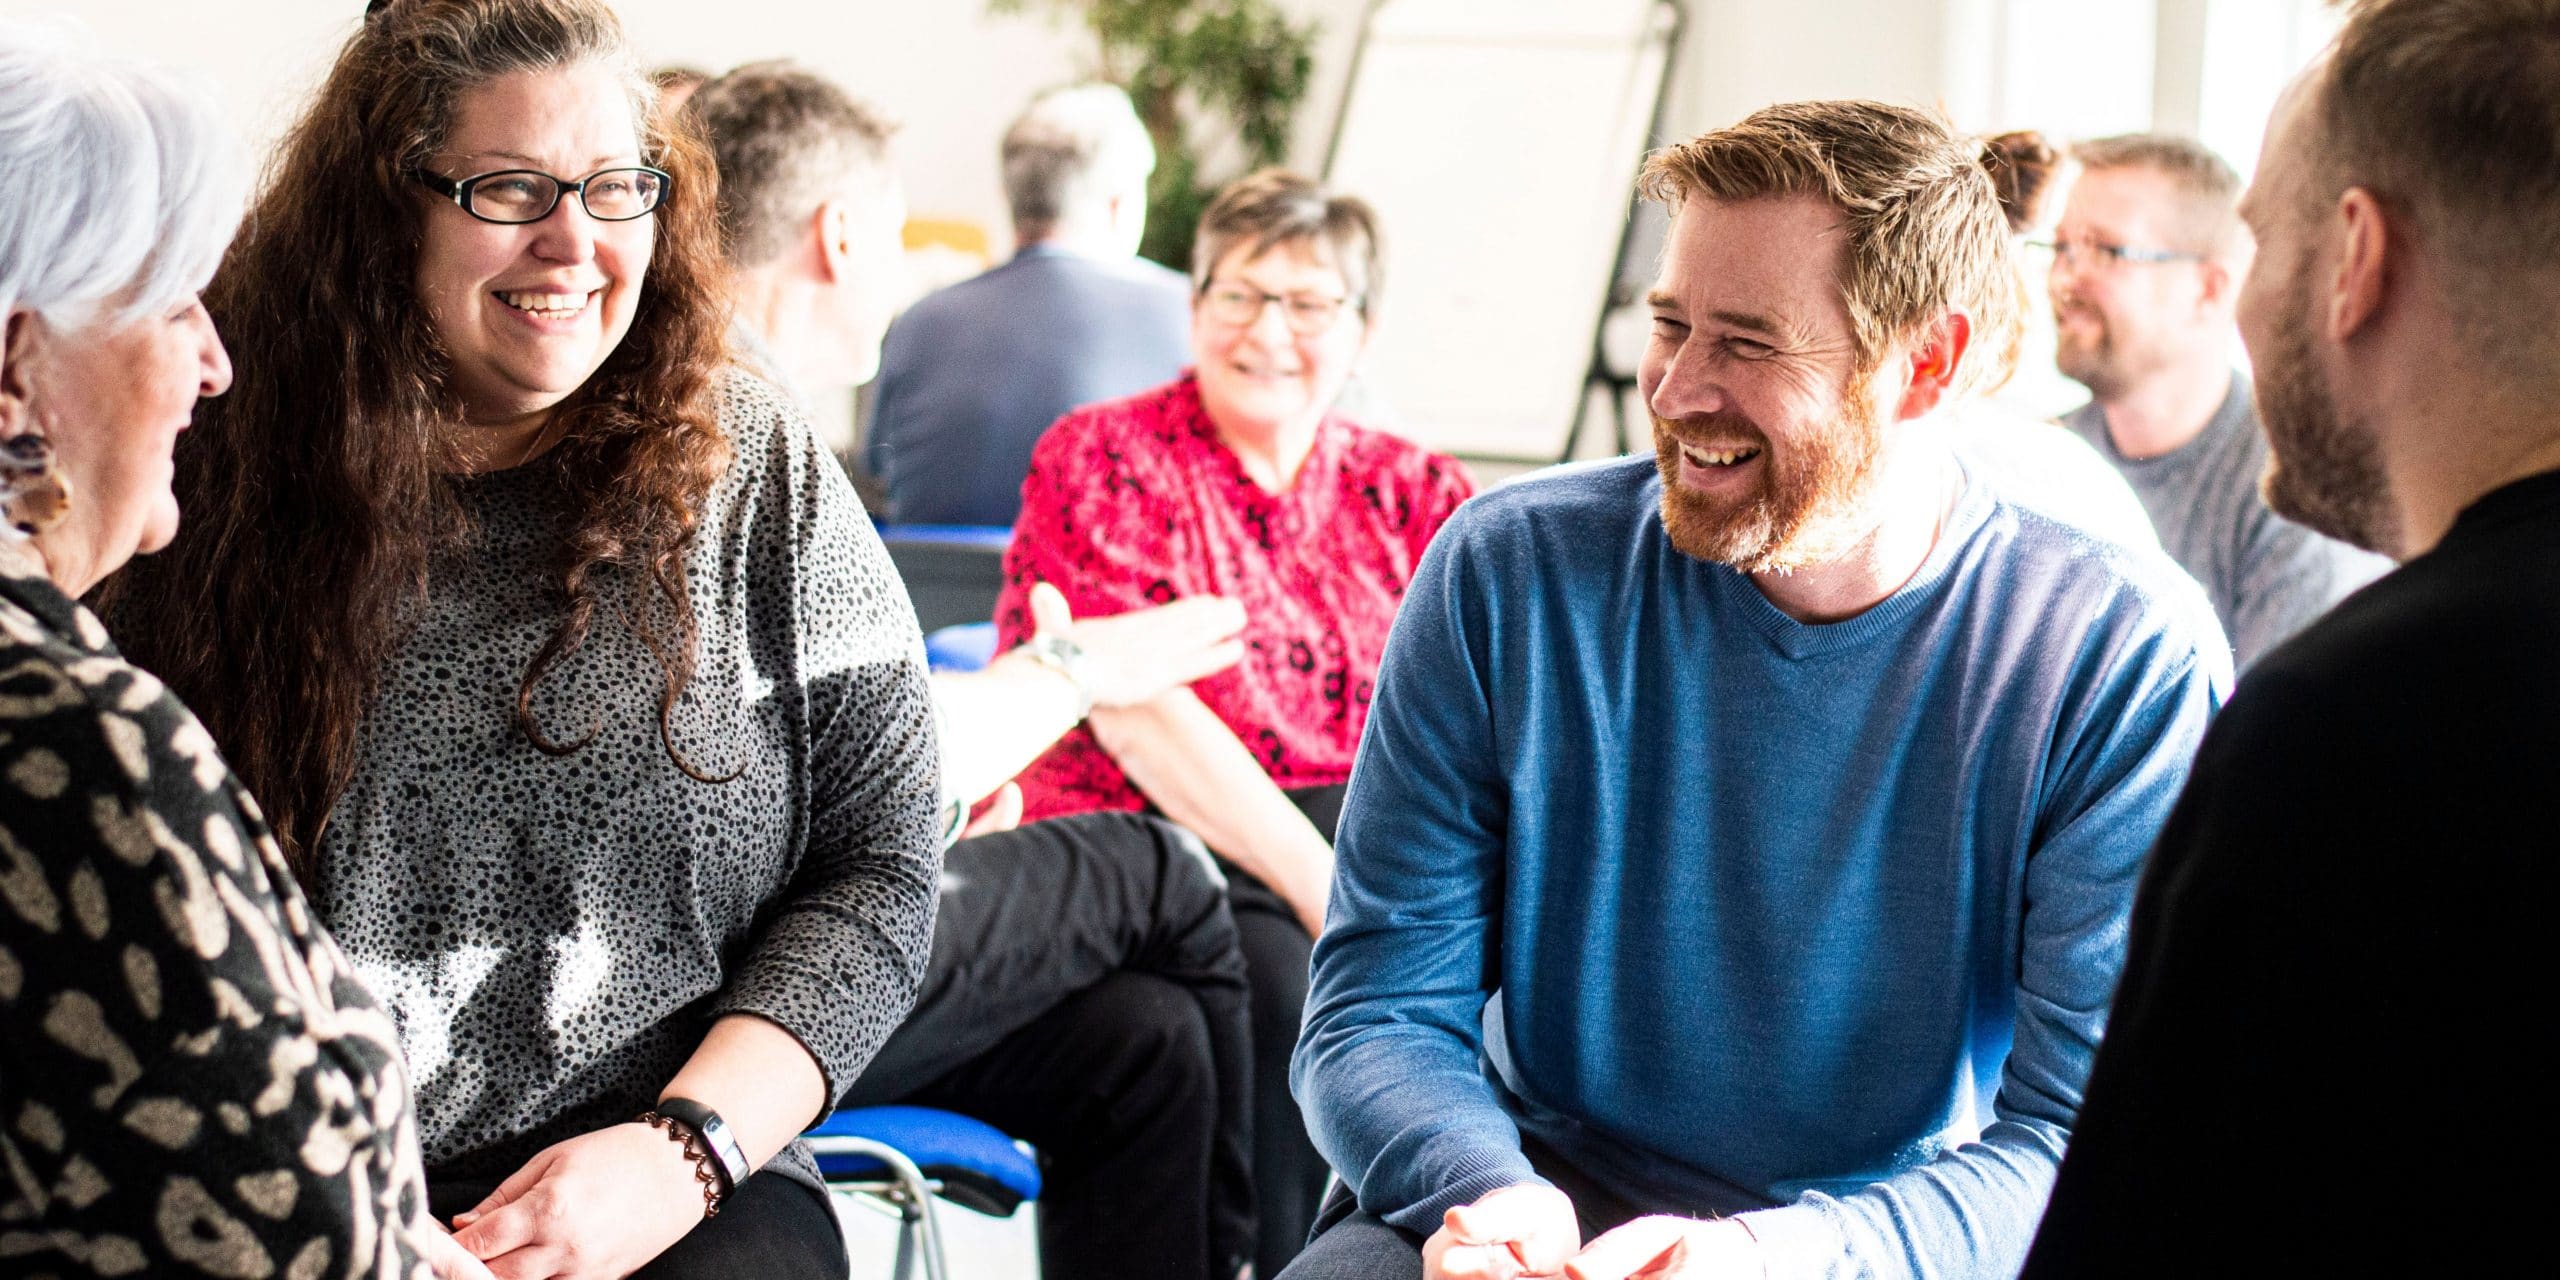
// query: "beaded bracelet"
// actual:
[[705, 1170]]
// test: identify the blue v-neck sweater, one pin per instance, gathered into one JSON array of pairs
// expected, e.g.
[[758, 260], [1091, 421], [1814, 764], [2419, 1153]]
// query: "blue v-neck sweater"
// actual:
[[1815, 923]]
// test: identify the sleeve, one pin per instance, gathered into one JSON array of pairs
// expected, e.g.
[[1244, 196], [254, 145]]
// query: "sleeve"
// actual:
[[2289, 576], [1387, 1068], [1972, 1211], [193, 1087], [2174, 1065], [841, 950], [1089, 528]]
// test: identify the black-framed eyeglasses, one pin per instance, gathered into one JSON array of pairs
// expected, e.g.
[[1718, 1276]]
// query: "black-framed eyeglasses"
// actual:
[[2099, 253], [511, 196], [1307, 314]]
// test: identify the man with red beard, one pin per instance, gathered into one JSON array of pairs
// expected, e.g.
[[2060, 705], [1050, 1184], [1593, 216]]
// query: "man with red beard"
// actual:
[[2324, 1050], [1740, 848], [2147, 263]]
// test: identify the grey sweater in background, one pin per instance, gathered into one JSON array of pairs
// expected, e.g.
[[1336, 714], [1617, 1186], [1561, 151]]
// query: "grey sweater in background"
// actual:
[[553, 935], [2267, 576]]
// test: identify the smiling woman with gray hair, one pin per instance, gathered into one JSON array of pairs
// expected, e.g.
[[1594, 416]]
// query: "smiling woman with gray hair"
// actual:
[[191, 1079]]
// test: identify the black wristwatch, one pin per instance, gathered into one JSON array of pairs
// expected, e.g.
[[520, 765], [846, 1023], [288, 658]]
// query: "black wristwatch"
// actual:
[[715, 1135]]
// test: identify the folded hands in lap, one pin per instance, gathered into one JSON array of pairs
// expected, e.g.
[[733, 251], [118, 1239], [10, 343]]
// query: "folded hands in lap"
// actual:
[[598, 1205], [445, 1257], [1529, 1230]]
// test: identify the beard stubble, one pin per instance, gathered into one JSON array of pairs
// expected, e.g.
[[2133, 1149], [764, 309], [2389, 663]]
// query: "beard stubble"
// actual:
[[2323, 472]]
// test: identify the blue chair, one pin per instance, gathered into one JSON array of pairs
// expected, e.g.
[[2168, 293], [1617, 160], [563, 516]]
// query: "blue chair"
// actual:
[[905, 1157], [953, 572], [969, 646]]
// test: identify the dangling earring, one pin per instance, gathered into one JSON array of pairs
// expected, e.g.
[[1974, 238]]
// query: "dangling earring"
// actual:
[[34, 494]]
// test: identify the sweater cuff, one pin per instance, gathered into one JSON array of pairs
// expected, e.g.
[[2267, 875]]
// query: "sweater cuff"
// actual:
[[1471, 1180], [1798, 1240]]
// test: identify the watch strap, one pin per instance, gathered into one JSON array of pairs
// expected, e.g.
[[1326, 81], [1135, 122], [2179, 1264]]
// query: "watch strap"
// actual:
[[1065, 657], [716, 1138]]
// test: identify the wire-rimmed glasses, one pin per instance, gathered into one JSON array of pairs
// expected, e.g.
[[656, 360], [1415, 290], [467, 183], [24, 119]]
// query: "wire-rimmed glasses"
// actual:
[[1307, 314], [2100, 253]]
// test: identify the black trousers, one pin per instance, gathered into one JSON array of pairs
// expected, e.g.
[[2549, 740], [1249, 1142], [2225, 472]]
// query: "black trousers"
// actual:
[[1288, 1174], [770, 1228], [1085, 994]]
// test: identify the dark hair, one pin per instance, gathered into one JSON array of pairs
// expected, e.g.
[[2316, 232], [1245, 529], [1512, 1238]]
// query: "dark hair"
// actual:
[[315, 495], [1924, 227], [1272, 207], [784, 139], [2022, 166]]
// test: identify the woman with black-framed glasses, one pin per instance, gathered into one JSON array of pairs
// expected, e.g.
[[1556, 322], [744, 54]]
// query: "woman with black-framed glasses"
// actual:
[[577, 687], [510, 197]]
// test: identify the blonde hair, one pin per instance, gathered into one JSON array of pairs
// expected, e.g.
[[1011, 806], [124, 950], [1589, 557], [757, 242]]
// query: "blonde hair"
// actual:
[[2207, 182], [785, 139], [1925, 231]]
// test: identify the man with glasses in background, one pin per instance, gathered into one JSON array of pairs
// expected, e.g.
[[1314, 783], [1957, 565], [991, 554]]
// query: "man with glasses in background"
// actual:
[[2147, 264]]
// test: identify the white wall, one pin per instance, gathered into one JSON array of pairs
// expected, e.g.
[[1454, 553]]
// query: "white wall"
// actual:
[[956, 76], [953, 75], [2075, 68], [1741, 55]]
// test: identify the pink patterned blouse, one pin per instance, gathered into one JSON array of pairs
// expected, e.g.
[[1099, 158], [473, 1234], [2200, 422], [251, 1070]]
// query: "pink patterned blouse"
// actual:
[[1136, 502]]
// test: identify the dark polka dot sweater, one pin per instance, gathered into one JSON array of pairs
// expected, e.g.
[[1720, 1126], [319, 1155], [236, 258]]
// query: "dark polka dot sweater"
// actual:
[[553, 934]]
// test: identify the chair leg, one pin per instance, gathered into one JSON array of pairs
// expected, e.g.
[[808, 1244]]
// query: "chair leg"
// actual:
[[919, 1227], [910, 1224]]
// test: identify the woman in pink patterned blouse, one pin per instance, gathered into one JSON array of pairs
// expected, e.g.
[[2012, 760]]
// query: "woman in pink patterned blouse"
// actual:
[[1239, 480]]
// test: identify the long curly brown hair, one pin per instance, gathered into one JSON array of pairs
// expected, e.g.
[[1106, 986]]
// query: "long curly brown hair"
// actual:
[[315, 493]]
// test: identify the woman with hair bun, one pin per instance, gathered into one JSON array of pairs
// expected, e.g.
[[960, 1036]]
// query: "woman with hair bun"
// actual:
[[2010, 437], [583, 697]]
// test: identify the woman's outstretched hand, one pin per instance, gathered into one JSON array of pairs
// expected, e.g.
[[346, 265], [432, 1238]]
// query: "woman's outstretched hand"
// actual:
[[1132, 657], [595, 1207]]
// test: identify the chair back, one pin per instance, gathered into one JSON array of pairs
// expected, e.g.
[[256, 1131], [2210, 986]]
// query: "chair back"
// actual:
[[953, 572]]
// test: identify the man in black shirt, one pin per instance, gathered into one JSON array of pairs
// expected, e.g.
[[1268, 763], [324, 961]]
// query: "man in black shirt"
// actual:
[[2319, 1059]]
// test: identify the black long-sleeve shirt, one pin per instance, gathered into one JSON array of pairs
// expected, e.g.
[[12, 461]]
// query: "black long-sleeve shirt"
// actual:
[[2325, 1055]]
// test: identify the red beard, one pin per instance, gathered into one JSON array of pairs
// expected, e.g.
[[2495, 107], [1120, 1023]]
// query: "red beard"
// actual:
[[1804, 510]]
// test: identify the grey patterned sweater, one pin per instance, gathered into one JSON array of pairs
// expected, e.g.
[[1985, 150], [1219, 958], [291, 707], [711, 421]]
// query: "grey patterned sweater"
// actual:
[[553, 935]]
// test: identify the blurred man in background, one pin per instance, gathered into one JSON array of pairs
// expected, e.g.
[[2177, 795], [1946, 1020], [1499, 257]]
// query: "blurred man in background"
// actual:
[[2323, 1052], [2147, 264], [974, 373]]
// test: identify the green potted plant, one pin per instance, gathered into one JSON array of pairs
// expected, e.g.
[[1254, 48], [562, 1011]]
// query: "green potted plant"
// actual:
[[1217, 83]]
